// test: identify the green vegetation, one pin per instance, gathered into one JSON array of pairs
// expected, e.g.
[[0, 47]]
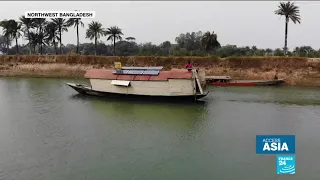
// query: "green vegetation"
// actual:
[[44, 36]]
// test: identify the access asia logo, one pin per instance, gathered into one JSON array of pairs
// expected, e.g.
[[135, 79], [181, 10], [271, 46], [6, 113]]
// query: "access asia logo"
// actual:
[[275, 144]]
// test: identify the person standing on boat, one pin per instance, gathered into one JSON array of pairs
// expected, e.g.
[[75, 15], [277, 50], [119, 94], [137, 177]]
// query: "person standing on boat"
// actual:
[[188, 66]]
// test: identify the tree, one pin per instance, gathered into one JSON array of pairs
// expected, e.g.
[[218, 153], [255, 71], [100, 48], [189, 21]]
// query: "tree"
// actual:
[[15, 32], [114, 34], [33, 40], [166, 45], [165, 48], [189, 41], [304, 51], [127, 48], [254, 50], [290, 11], [62, 26], [95, 31], [27, 24], [130, 38], [5, 24], [40, 24], [52, 35], [3, 44], [11, 30], [278, 52], [269, 52], [209, 41], [76, 22]]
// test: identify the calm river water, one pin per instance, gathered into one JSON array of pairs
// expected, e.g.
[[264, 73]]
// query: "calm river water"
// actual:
[[49, 133]]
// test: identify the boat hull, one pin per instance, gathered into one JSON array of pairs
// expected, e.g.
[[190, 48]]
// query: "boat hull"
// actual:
[[232, 84], [248, 83], [86, 90]]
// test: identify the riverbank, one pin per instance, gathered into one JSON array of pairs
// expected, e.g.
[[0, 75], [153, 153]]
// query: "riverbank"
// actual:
[[296, 70]]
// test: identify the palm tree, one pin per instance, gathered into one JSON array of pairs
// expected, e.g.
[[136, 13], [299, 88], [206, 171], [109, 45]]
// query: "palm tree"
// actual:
[[209, 41], [27, 24], [5, 24], [52, 35], [95, 31], [33, 39], [62, 26], [114, 34], [76, 22], [37, 40], [11, 29], [40, 24], [15, 29], [290, 11]]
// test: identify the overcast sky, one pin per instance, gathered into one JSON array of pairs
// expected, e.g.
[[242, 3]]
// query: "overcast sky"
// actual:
[[240, 23]]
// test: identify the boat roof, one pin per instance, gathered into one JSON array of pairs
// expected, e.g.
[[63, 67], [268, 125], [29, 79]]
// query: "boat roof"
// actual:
[[218, 77], [110, 74]]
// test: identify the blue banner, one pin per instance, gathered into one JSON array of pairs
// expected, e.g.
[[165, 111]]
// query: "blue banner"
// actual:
[[275, 144]]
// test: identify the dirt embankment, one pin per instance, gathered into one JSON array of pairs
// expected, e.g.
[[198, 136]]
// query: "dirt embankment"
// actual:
[[296, 70]]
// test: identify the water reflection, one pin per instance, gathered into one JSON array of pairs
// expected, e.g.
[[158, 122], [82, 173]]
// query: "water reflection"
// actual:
[[155, 112], [180, 121]]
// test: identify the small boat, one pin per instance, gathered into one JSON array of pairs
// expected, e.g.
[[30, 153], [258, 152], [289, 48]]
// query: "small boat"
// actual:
[[144, 83], [227, 81]]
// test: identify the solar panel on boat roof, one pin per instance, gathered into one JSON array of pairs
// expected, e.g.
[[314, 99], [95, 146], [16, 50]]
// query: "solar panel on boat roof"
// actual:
[[142, 68], [120, 71], [151, 72], [125, 72], [135, 72], [154, 68], [117, 72], [131, 68]]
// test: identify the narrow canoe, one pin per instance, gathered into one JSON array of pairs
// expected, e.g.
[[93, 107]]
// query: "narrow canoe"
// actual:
[[227, 81], [248, 83]]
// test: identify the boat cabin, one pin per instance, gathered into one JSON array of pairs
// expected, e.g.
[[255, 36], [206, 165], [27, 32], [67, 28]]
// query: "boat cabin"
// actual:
[[151, 81]]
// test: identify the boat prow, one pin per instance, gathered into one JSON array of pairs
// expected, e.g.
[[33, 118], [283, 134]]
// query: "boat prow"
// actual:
[[80, 88]]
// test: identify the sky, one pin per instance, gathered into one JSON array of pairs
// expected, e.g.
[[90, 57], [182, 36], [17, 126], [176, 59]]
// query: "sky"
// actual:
[[245, 23]]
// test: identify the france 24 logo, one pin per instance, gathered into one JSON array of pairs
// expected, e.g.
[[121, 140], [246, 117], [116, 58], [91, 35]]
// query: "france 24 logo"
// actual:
[[286, 165], [275, 144]]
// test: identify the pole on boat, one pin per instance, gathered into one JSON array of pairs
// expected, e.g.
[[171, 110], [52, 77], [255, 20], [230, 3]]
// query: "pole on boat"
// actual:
[[198, 81], [194, 86]]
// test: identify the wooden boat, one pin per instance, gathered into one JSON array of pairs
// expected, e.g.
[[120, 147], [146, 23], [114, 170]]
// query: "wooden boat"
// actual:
[[144, 82], [227, 81]]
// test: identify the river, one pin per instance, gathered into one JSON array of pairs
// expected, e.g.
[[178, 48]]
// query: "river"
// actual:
[[48, 132]]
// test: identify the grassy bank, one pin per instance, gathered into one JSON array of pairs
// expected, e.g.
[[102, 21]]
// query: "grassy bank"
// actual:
[[297, 70]]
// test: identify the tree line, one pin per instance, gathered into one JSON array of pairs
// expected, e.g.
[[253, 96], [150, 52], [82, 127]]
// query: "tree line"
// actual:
[[44, 36]]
